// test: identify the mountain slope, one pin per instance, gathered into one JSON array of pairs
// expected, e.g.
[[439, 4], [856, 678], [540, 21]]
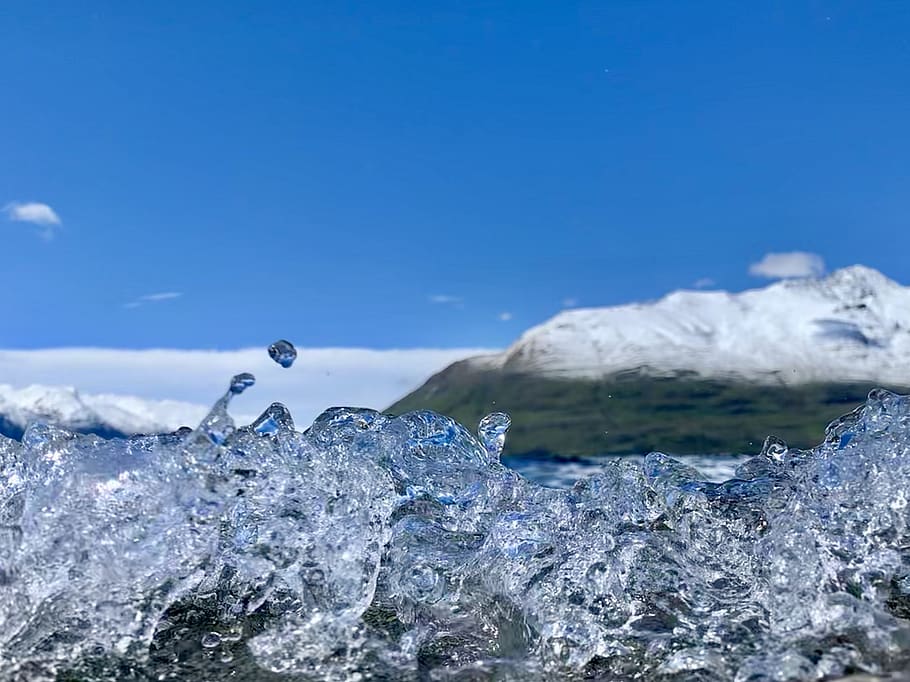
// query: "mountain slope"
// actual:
[[692, 372], [635, 413]]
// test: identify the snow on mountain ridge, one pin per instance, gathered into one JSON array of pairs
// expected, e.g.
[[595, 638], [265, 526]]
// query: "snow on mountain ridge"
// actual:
[[853, 325], [66, 406]]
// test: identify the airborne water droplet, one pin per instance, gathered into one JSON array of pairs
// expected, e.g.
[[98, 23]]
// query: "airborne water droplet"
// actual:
[[241, 382], [492, 431], [283, 352]]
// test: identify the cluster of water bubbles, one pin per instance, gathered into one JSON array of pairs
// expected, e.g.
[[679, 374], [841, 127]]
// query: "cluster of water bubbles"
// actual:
[[372, 546]]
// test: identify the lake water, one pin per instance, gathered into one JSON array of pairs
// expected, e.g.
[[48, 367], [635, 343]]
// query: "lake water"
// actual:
[[561, 473]]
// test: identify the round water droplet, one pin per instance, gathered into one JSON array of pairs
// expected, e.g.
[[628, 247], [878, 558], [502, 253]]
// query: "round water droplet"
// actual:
[[210, 640], [283, 352], [241, 382], [492, 431]]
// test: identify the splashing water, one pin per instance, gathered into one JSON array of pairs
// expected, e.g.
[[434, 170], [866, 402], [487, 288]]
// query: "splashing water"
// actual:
[[492, 432], [283, 352], [241, 382], [276, 418], [400, 548]]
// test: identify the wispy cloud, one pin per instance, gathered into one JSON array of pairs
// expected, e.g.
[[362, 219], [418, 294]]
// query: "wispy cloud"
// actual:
[[505, 317], [703, 283], [787, 265], [165, 296], [445, 299], [153, 298], [569, 302], [34, 213]]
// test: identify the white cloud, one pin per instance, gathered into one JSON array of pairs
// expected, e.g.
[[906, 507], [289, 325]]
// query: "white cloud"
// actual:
[[320, 378], [35, 213], [153, 298], [444, 299], [165, 296], [569, 302], [32, 212], [704, 283], [786, 265], [505, 317]]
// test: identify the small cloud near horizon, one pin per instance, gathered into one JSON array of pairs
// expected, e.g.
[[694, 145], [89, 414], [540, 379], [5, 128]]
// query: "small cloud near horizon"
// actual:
[[569, 302], [703, 283], [34, 213], [505, 317], [793, 264], [153, 298]]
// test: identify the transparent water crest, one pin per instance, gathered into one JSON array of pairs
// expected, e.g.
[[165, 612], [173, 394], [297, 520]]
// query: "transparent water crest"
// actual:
[[371, 545]]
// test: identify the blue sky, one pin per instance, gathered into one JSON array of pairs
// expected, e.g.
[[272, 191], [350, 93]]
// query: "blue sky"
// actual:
[[403, 174]]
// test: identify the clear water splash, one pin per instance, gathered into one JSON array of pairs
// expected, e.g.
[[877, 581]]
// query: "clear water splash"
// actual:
[[283, 352], [276, 418], [217, 425], [241, 382], [774, 449], [372, 546], [492, 432]]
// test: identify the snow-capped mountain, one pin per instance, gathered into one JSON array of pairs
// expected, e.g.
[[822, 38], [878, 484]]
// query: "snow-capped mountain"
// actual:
[[853, 325], [106, 415]]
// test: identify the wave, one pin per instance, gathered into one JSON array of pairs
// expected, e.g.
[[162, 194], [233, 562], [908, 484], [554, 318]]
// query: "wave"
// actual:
[[373, 546]]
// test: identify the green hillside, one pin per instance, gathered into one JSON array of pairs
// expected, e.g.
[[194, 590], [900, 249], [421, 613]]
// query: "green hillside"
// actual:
[[633, 413]]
